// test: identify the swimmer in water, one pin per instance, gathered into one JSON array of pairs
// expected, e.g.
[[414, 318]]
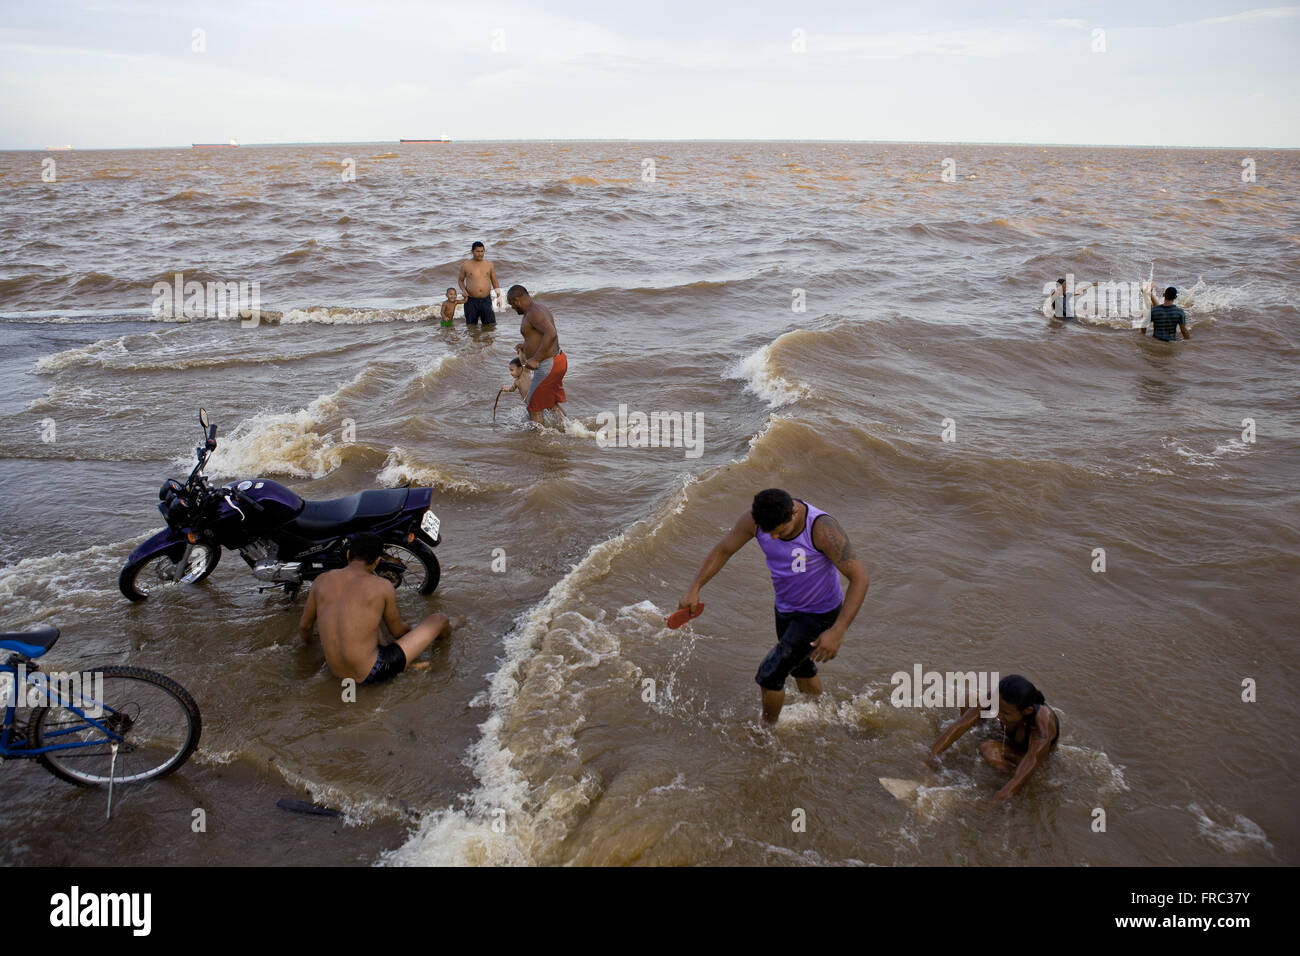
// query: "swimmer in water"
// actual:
[[1030, 730], [1167, 319], [1062, 300]]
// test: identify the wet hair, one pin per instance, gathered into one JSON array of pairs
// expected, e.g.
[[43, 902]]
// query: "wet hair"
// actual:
[[1171, 293], [1060, 282], [365, 547], [515, 361], [1019, 692], [478, 245], [451, 289], [771, 508], [515, 292]]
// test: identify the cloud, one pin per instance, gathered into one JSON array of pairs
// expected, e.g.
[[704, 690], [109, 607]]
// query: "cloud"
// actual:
[[1262, 13], [976, 42]]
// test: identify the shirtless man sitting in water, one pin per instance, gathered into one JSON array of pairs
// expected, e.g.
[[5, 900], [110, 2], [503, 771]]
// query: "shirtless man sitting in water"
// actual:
[[347, 606]]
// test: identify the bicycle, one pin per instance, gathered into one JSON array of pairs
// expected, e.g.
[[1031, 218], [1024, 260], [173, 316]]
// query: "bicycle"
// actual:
[[93, 728]]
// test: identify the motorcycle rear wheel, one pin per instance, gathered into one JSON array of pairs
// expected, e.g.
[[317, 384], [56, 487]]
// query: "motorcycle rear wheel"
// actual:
[[422, 571]]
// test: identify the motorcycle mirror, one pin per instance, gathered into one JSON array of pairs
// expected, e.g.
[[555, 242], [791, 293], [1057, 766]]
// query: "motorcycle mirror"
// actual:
[[203, 418]]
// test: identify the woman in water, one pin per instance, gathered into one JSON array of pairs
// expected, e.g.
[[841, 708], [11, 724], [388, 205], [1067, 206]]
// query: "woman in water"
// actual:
[[1030, 730]]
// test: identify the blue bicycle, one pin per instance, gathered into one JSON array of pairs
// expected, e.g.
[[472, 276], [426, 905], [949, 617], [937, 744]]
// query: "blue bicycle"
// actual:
[[93, 728]]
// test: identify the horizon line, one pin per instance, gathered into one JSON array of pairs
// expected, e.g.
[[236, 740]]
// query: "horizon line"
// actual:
[[877, 142]]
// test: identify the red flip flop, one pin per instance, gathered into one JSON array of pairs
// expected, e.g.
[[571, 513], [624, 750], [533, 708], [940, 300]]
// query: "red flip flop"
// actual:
[[682, 615]]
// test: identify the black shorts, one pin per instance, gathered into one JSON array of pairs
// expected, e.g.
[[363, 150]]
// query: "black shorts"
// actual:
[[795, 633], [390, 662], [476, 309]]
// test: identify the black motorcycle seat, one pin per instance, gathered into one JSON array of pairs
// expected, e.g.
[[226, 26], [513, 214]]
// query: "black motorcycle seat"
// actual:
[[336, 516]]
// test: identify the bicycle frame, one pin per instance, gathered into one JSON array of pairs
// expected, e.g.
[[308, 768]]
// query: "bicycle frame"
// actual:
[[11, 708]]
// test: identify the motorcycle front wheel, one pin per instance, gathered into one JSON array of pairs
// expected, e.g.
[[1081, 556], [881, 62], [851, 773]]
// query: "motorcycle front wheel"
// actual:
[[140, 579]]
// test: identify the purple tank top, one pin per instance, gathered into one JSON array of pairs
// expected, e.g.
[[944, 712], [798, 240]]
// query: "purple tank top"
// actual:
[[803, 578]]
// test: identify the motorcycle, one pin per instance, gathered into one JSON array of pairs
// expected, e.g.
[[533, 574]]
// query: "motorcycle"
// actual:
[[284, 539]]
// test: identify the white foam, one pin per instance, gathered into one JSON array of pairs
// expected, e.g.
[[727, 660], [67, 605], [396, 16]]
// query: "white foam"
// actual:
[[96, 353], [357, 810], [761, 378], [577, 429], [1238, 833], [1208, 459], [1205, 299], [286, 443], [42, 589], [332, 316], [400, 467], [504, 821]]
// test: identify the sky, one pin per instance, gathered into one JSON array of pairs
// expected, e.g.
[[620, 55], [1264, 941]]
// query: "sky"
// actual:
[[142, 74]]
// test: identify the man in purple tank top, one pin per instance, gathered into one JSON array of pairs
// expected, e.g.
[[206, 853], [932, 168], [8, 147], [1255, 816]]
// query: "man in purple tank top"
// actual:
[[806, 553]]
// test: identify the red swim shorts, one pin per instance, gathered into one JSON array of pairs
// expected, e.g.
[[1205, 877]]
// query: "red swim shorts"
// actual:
[[550, 390]]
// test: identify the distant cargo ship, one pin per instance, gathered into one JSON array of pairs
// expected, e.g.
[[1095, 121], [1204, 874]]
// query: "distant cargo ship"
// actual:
[[230, 145], [444, 139], [58, 147]]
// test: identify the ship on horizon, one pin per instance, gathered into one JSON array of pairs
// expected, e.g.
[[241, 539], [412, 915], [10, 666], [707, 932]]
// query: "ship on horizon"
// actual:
[[443, 139], [233, 143]]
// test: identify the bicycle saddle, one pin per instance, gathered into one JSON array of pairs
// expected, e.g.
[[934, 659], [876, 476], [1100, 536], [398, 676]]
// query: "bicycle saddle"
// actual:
[[29, 643]]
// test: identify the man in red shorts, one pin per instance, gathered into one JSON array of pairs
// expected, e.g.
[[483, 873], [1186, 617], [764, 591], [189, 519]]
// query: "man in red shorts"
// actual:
[[540, 353]]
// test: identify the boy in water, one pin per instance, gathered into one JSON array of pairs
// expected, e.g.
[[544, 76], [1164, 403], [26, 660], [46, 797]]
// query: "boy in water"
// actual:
[[449, 308], [1030, 730], [521, 380], [347, 606]]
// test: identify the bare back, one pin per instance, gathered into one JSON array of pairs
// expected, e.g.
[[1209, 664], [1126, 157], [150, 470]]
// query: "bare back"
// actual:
[[350, 603], [537, 327]]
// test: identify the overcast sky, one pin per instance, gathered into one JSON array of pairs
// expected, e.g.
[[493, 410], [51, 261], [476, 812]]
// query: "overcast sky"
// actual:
[[1170, 72]]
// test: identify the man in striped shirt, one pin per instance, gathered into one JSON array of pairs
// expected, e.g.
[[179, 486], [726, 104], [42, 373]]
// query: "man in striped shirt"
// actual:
[[1167, 318]]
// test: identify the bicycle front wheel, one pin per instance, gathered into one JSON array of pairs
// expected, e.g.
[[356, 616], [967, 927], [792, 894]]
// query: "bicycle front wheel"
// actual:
[[152, 719]]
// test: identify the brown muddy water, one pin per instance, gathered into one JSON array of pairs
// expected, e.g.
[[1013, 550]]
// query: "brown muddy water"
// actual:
[[530, 739]]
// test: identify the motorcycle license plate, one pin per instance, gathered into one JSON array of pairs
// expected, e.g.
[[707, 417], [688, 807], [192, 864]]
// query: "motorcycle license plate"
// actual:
[[430, 524]]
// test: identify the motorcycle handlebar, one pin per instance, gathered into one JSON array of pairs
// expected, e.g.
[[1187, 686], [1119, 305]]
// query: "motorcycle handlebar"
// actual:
[[245, 499]]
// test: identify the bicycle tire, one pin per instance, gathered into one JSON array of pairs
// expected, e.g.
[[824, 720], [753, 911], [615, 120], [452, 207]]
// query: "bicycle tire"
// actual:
[[140, 757]]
